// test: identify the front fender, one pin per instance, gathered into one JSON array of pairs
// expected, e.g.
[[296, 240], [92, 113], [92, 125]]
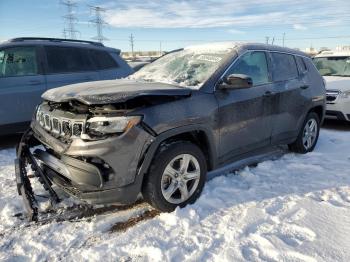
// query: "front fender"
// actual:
[[152, 149]]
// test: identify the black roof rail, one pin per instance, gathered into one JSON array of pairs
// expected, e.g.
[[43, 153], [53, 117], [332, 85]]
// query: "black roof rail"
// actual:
[[20, 39]]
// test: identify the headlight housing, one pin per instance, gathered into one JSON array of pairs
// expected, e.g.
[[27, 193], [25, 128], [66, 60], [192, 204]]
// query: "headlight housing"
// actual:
[[112, 125], [345, 94]]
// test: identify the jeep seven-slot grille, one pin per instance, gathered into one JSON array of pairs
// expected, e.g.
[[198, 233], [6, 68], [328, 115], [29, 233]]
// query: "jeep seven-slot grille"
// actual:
[[56, 125], [77, 129], [66, 128], [60, 126]]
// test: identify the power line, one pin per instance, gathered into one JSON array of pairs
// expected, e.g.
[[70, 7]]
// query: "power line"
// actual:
[[70, 20], [98, 22]]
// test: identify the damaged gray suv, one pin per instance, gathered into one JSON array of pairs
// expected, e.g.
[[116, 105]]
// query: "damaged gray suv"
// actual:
[[156, 134]]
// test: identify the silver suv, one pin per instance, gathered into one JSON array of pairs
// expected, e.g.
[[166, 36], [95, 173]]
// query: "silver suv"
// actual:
[[30, 66]]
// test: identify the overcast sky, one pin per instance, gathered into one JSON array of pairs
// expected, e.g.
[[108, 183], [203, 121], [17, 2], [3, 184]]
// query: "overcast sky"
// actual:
[[179, 23]]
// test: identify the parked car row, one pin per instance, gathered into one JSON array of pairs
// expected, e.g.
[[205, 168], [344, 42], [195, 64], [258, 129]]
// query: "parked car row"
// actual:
[[335, 69], [160, 131], [30, 66]]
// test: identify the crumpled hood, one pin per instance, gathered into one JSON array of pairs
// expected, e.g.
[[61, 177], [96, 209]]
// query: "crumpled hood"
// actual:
[[337, 83], [112, 91]]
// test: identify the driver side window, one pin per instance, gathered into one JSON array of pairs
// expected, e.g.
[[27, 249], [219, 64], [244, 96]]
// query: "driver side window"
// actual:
[[254, 65]]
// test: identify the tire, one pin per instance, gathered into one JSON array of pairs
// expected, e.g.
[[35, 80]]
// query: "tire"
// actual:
[[302, 145], [167, 174]]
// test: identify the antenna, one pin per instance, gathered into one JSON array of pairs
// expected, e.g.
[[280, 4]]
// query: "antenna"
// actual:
[[70, 19], [98, 22]]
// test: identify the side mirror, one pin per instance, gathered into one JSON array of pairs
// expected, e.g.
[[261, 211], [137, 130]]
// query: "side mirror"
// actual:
[[236, 81]]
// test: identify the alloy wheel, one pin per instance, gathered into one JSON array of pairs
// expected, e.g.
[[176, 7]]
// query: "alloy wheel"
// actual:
[[180, 178], [310, 133]]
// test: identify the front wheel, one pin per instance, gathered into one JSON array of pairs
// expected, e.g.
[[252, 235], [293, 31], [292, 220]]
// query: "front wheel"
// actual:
[[176, 177], [308, 135]]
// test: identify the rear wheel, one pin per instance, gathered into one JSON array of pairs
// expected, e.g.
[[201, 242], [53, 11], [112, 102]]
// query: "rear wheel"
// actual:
[[176, 177], [308, 135]]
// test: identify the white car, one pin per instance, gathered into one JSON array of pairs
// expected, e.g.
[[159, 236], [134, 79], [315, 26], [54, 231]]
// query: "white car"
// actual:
[[334, 66]]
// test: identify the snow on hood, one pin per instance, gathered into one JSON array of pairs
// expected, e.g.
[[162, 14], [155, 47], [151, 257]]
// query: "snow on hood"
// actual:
[[112, 91], [337, 82]]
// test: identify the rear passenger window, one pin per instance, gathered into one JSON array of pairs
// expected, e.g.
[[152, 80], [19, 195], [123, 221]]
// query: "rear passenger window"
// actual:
[[285, 67], [103, 60], [252, 64], [301, 64], [67, 59], [18, 61]]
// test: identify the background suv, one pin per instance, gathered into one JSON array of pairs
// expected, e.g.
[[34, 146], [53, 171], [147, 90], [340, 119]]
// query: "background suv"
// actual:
[[160, 131], [30, 66], [335, 68]]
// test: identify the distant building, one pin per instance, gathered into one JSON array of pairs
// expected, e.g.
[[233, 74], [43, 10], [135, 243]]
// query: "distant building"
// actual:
[[343, 48], [324, 49], [141, 55], [311, 51]]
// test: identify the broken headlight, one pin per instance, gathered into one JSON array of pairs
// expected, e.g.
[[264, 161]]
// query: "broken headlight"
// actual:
[[112, 125]]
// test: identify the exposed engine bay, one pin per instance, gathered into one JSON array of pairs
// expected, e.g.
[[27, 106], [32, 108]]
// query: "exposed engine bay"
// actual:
[[77, 107], [73, 119]]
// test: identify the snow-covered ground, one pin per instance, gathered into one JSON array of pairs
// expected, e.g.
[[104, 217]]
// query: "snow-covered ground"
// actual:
[[295, 208]]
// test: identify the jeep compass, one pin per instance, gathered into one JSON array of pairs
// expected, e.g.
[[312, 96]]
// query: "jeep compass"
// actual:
[[157, 133]]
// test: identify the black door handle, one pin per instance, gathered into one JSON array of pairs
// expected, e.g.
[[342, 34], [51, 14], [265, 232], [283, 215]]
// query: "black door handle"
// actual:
[[304, 87], [268, 93]]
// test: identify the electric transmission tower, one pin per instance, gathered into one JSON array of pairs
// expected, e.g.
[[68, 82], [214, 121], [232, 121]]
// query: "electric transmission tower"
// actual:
[[70, 19], [98, 22]]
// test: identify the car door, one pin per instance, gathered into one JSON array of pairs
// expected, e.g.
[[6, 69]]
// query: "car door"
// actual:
[[243, 115], [289, 88], [68, 65], [21, 84]]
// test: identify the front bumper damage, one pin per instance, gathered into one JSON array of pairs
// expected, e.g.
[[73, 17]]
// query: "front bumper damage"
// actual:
[[55, 163], [24, 187]]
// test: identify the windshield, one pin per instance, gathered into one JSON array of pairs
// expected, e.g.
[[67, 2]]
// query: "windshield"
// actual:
[[187, 68], [333, 66]]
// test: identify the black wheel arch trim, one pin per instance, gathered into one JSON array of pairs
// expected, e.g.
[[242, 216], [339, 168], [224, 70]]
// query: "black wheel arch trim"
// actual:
[[153, 147]]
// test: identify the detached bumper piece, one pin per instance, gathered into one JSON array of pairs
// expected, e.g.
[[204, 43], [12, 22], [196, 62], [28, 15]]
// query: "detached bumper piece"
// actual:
[[24, 187]]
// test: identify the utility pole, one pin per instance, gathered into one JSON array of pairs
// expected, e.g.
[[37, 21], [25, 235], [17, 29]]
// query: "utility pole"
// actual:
[[160, 48], [98, 22], [267, 39], [131, 39], [70, 19], [283, 38], [273, 41]]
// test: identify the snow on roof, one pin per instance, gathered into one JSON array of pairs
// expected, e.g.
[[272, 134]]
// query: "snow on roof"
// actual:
[[217, 46]]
